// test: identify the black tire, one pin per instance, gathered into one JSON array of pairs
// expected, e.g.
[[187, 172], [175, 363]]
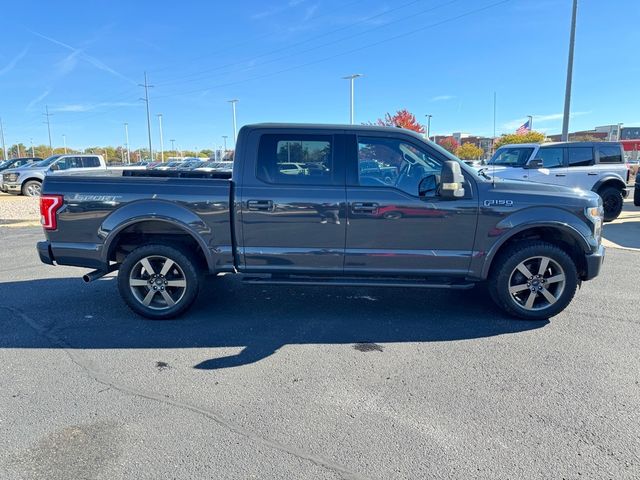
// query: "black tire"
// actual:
[[612, 201], [185, 266], [505, 270], [32, 188], [636, 196]]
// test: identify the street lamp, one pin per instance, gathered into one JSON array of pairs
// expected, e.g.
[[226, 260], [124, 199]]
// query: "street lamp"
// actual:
[[351, 79], [64, 141], [235, 126], [159, 115], [428, 125], [126, 138], [567, 93]]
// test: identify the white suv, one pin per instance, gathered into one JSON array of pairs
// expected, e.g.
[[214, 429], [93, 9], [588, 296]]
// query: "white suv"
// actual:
[[27, 180], [596, 166]]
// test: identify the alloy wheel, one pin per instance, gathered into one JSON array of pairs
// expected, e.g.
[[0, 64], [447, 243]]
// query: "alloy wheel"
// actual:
[[157, 282], [537, 283]]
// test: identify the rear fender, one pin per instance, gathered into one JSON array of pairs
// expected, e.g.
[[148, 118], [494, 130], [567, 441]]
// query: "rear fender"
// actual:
[[611, 180], [156, 210]]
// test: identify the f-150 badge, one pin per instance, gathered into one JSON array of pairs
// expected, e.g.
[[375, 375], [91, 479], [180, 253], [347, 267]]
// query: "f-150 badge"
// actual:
[[498, 203]]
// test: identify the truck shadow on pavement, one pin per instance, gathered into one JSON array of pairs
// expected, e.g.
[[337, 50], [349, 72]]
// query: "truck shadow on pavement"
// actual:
[[260, 320]]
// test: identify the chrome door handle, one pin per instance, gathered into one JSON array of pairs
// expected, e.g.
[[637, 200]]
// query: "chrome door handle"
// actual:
[[592, 174], [364, 207], [260, 205]]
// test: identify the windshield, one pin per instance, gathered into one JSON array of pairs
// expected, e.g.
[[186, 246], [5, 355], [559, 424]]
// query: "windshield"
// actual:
[[4, 163], [46, 162], [511, 156]]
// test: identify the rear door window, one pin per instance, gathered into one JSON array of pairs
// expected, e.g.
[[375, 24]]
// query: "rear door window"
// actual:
[[580, 156], [90, 162], [609, 154], [296, 159]]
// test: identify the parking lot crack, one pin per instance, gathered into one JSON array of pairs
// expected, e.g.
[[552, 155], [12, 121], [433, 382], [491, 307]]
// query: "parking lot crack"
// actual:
[[94, 373]]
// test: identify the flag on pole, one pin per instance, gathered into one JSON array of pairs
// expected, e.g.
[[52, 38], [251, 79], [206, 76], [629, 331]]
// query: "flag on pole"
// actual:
[[526, 127]]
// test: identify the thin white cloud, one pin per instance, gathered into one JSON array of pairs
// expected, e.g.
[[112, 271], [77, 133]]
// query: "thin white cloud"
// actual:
[[516, 122], [277, 9], [38, 99], [87, 107], [442, 98], [14, 61], [79, 53], [310, 12]]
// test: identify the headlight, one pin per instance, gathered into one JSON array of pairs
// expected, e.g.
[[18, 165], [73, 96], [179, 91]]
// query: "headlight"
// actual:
[[595, 214], [11, 177]]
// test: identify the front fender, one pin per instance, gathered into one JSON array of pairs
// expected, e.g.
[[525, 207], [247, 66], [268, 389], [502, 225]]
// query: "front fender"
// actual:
[[156, 210], [521, 221]]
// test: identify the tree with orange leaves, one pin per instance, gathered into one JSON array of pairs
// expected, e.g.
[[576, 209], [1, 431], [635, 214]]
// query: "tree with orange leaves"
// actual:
[[402, 118]]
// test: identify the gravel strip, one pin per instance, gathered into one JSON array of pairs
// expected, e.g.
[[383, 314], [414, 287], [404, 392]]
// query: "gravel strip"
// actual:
[[14, 208]]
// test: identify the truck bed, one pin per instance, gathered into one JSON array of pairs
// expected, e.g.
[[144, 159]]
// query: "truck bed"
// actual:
[[97, 208]]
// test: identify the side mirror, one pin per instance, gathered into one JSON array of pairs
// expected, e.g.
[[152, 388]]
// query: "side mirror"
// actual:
[[452, 185], [54, 167], [535, 163], [428, 186]]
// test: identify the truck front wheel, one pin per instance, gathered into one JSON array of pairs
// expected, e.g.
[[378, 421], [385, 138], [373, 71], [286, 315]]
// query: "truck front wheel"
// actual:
[[32, 188], [533, 280], [159, 281]]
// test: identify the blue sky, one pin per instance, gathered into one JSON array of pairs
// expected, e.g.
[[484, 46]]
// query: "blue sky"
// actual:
[[284, 59]]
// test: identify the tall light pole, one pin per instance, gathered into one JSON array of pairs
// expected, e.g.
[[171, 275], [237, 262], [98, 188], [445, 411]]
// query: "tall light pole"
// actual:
[[126, 139], [4, 146], [146, 100], [64, 142], [33, 152], [173, 142], [235, 125], [224, 137], [351, 79], [567, 93], [530, 117], [48, 122], [161, 141], [428, 125]]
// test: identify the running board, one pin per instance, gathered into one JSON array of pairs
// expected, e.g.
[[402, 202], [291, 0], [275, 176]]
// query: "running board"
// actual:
[[356, 282]]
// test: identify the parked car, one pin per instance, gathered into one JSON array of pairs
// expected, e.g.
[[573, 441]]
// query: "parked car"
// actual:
[[215, 166], [165, 166], [532, 243], [27, 180], [18, 162], [595, 166], [191, 164]]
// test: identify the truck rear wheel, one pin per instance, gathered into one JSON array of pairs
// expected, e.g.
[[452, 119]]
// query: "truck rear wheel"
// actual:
[[533, 280], [612, 201], [159, 281]]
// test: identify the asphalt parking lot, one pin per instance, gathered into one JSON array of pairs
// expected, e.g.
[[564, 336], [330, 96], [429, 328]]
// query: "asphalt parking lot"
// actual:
[[314, 383]]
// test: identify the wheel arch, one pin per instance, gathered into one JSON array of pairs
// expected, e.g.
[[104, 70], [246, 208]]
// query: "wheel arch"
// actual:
[[609, 181], [168, 223], [563, 235]]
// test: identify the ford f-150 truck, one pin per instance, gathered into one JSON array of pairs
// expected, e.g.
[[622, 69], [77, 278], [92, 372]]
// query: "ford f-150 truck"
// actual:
[[436, 224]]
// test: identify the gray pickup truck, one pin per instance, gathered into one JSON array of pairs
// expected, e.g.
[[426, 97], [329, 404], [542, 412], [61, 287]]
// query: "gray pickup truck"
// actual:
[[437, 224]]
